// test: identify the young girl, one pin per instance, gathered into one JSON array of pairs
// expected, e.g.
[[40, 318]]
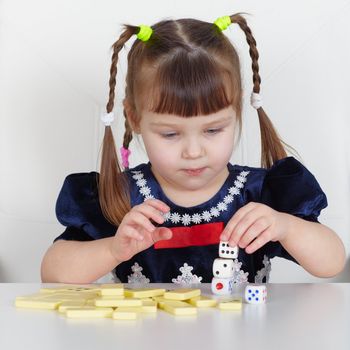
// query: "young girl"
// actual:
[[162, 221]]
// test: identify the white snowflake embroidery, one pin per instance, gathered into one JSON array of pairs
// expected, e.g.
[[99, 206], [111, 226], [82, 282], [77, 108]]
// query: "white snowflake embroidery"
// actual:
[[166, 216], [196, 218], [206, 216], [186, 276], [186, 219], [228, 199], [264, 272], [241, 178], [137, 176], [141, 182], [137, 276], [234, 190], [149, 196], [239, 276], [145, 190], [175, 218], [238, 184], [222, 206], [214, 212]]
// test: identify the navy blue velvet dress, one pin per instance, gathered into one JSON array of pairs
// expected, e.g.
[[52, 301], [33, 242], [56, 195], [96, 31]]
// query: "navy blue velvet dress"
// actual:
[[188, 258]]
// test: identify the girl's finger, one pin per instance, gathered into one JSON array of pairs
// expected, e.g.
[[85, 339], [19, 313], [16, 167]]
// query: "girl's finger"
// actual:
[[150, 212], [259, 226], [240, 213], [156, 203], [135, 217], [132, 233], [242, 226], [260, 241], [161, 233]]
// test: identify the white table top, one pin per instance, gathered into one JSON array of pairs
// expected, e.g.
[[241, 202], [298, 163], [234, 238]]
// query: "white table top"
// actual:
[[296, 316]]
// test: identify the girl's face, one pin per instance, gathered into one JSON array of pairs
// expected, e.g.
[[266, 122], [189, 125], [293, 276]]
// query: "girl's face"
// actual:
[[176, 144]]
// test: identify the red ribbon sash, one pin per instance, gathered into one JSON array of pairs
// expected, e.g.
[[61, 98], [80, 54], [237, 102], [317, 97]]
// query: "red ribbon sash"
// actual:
[[198, 235]]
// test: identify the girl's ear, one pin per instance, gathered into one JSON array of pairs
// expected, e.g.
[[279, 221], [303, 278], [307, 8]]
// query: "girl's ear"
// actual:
[[130, 114]]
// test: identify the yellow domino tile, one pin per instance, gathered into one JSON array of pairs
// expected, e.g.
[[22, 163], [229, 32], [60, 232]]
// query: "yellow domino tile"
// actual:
[[70, 288], [63, 297], [144, 293], [90, 302], [114, 302], [179, 308], [126, 313], [111, 289], [203, 301], [37, 304], [107, 301], [31, 296], [149, 306], [160, 301], [232, 304], [89, 312], [70, 305], [83, 288], [50, 290], [182, 294]]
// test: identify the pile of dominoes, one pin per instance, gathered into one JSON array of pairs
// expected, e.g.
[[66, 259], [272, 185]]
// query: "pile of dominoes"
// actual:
[[119, 303], [116, 302]]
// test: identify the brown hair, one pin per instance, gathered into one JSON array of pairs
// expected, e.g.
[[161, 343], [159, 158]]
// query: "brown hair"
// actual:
[[188, 67]]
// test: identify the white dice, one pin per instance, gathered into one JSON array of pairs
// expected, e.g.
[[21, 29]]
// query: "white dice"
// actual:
[[255, 293], [225, 251], [223, 268], [222, 286]]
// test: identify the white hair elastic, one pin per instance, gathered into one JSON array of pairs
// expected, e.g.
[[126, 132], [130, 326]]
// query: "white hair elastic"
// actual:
[[256, 100], [107, 118]]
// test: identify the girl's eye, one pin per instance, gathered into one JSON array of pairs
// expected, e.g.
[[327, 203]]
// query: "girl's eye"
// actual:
[[168, 136], [213, 131], [209, 131]]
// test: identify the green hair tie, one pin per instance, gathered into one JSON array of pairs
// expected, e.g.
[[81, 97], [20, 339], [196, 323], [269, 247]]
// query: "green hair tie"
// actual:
[[223, 22], [145, 32]]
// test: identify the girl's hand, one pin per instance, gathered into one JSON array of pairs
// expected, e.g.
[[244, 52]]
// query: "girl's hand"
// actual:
[[253, 225], [136, 232]]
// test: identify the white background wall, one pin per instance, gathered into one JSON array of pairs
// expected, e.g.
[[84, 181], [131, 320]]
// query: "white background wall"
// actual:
[[54, 71]]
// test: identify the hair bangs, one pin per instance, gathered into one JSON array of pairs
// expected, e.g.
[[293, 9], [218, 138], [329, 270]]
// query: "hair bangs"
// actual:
[[191, 84]]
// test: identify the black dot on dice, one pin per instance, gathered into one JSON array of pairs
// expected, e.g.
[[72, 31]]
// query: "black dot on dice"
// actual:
[[217, 272], [227, 251], [232, 252], [222, 251], [225, 265]]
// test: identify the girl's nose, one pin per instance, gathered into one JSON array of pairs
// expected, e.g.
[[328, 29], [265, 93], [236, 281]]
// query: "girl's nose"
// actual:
[[193, 149]]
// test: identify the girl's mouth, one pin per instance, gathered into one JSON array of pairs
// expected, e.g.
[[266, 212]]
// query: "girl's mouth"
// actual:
[[194, 172]]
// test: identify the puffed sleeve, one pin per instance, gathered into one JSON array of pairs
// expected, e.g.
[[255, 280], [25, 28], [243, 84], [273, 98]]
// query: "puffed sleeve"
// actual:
[[291, 188], [78, 209]]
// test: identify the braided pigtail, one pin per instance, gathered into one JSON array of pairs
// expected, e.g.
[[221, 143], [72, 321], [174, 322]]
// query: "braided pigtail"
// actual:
[[272, 147], [112, 183]]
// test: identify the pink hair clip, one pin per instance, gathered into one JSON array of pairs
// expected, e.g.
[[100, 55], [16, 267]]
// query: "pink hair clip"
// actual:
[[125, 156]]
